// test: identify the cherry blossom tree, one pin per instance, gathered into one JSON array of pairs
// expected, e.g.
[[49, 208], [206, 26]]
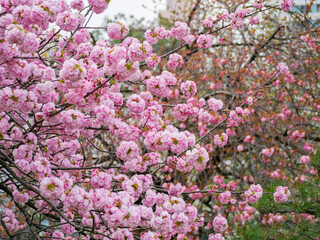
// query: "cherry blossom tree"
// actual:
[[213, 136]]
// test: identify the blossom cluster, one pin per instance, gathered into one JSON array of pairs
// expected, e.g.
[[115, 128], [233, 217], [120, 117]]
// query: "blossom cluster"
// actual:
[[254, 193], [281, 194]]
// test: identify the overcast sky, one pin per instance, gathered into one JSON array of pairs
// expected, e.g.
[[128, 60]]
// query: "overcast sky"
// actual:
[[129, 7]]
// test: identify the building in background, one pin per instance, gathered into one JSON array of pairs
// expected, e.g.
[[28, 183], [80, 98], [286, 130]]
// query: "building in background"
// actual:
[[177, 9], [300, 7], [180, 9]]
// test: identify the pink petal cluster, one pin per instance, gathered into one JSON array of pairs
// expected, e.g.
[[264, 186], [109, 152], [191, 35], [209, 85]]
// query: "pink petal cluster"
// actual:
[[180, 30], [67, 21], [221, 140], [57, 235], [237, 17], [217, 236], [286, 5], [225, 197], [188, 88], [282, 194], [77, 4], [153, 61], [181, 112], [139, 51], [127, 150], [30, 43], [99, 6], [175, 60], [282, 68], [73, 71], [220, 223], [15, 34], [78, 199], [273, 218], [165, 140], [208, 22], [101, 180], [254, 193], [10, 220], [305, 159], [176, 190], [197, 157], [117, 30], [158, 86], [237, 117], [204, 116], [268, 152], [159, 32], [20, 197], [204, 41], [135, 103], [215, 104], [51, 188], [258, 4], [250, 100]]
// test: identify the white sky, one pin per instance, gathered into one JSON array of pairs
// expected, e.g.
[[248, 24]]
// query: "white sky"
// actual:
[[129, 7]]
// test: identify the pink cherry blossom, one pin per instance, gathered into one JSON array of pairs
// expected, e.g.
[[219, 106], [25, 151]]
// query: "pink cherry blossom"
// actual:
[[304, 159], [215, 104], [67, 21], [204, 41], [286, 5], [254, 193], [117, 30], [217, 236], [51, 187], [220, 223], [135, 103], [221, 140], [73, 71], [281, 194], [175, 60]]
